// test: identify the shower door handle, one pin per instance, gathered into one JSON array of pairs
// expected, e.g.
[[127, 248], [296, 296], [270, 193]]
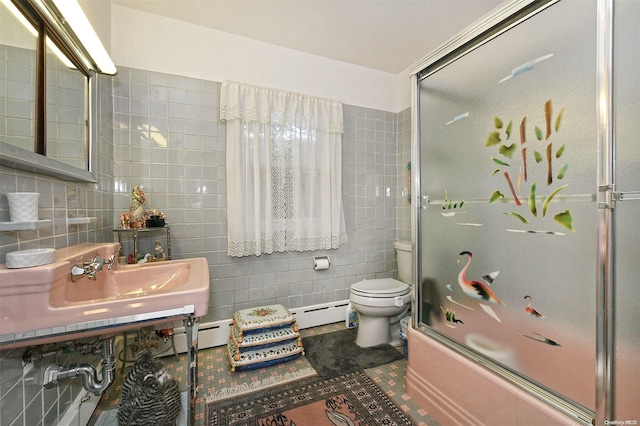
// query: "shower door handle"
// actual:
[[626, 196]]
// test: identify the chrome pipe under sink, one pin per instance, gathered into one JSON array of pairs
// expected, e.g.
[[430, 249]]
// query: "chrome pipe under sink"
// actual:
[[54, 373]]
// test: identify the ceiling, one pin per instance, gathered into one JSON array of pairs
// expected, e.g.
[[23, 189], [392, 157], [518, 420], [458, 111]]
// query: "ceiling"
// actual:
[[386, 35]]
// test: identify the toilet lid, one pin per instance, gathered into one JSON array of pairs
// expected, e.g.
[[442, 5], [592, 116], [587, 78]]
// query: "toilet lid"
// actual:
[[383, 287]]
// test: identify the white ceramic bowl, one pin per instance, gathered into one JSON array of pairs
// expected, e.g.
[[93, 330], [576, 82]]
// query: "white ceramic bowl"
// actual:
[[30, 258]]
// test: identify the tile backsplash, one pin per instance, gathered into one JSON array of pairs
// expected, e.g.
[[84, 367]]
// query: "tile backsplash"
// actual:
[[162, 132]]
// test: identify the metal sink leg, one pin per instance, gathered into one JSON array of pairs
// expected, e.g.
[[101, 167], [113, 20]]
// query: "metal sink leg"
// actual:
[[191, 325]]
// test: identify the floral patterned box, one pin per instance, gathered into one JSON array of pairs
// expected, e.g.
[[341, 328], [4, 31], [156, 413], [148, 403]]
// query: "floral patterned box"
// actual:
[[263, 336]]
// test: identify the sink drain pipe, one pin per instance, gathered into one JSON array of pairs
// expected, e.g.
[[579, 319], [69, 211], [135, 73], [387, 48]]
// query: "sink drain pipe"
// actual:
[[54, 373]]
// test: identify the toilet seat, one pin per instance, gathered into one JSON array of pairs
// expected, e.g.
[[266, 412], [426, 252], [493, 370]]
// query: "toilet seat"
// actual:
[[380, 288]]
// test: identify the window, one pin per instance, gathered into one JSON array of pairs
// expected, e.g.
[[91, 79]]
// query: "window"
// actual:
[[284, 171]]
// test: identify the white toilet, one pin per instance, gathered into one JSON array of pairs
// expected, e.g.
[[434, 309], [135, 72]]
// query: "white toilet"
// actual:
[[382, 303]]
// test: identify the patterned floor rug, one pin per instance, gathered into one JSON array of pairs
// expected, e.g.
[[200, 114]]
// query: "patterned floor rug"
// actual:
[[352, 399]]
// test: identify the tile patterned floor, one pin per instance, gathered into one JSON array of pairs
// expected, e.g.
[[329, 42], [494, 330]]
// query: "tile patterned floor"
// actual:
[[214, 375]]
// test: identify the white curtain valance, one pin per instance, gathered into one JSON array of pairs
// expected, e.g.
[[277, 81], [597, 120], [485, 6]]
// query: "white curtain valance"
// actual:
[[268, 106]]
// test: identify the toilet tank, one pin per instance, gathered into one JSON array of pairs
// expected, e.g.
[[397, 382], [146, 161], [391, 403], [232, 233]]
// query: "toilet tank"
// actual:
[[404, 261]]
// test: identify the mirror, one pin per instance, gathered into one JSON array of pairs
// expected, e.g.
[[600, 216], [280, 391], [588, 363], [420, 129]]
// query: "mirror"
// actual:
[[66, 112], [18, 91], [64, 150]]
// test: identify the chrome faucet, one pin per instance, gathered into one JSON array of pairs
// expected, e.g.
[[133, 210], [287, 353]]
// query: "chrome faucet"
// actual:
[[91, 268]]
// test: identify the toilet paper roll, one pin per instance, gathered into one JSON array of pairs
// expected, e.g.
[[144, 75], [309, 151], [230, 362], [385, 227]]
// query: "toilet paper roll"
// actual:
[[321, 262]]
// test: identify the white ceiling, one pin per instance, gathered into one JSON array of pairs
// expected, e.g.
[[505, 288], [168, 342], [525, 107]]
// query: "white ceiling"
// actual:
[[386, 35]]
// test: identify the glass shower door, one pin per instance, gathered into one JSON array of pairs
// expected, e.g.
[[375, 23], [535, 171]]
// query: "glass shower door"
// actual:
[[508, 230]]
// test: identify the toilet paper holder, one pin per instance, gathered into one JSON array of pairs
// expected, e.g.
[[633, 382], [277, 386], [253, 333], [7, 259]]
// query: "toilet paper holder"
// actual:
[[321, 262]]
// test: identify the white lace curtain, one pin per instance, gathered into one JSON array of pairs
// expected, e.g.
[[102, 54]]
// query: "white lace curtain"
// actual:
[[284, 170]]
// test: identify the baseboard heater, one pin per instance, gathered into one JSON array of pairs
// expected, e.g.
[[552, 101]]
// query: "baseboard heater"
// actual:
[[216, 333]]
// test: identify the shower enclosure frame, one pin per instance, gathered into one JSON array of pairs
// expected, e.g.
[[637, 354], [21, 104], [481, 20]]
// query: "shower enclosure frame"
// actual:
[[485, 30]]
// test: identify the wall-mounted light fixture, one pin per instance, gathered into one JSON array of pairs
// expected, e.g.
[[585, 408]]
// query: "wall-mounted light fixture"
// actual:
[[71, 23], [80, 25]]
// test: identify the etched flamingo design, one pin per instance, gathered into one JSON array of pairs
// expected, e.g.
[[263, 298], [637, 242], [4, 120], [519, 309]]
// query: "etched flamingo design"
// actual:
[[473, 288]]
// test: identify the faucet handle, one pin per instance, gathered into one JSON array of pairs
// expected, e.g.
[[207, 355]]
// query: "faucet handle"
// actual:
[[77, 270], [110, 262]]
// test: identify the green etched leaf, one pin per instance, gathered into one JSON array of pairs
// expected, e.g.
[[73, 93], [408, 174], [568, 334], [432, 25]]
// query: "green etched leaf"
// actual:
[[560, 151], [562, 171], [495, 172], [496, 195], [547, 201], [508, 129], [565, 219], [518, 216], [558, 119], [532, 200], [500, 162], [538, 133], [493, 139], [497, 123], [507, 151], [537, 156]]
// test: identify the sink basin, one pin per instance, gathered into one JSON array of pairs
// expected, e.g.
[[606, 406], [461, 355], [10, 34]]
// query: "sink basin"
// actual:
[[124, 282], [43, 305]]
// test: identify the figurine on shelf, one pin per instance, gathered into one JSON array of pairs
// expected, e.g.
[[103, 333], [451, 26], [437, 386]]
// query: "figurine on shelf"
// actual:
[[137, 207], [159, 252], [125, 221]]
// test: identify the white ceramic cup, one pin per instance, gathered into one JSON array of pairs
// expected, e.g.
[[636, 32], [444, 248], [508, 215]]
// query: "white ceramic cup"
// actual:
[[23, 206]]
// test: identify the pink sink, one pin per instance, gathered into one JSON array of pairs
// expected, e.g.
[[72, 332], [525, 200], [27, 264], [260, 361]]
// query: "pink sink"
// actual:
[[43, 305]]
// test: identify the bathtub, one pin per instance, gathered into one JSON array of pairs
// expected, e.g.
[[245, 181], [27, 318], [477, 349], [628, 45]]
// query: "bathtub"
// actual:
[[454, 389]]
